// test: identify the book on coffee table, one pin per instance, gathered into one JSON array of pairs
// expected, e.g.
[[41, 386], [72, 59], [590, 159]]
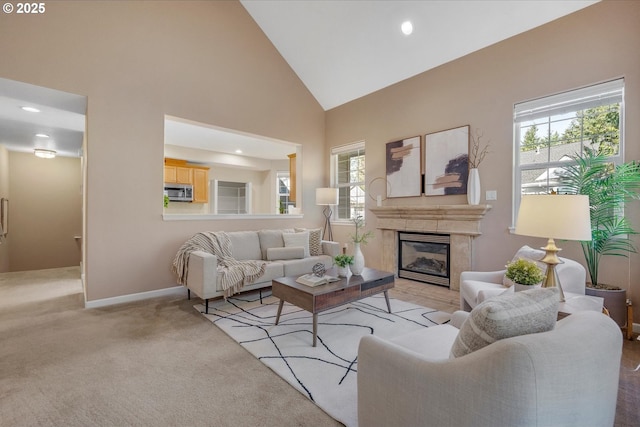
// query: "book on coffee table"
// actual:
[[313, 280]]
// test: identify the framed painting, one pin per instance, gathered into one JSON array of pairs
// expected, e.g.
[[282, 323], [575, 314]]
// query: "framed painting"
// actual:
[[404, 177], [446, 160]]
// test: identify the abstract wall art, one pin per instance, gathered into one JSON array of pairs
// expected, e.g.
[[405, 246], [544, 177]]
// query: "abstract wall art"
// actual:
[[446, 162], [403, 167]]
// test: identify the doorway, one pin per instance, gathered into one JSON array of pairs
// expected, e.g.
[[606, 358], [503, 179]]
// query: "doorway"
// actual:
[[46, 194]]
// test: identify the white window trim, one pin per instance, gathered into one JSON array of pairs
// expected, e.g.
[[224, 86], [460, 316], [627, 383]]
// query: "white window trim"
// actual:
[[333, 171], [585, 97]]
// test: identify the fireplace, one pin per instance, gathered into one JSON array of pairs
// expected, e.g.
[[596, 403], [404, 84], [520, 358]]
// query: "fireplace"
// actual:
[[424, 257], [460, 222]]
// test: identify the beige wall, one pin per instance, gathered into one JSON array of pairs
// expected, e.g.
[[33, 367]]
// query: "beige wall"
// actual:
[[596, 44], [136, 62], [4, 193], [46, 211]]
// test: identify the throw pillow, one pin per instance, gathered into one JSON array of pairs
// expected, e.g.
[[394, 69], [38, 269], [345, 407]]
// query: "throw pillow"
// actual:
[[521, 313], [293, 252], [270, 239], [297, 239], [315, 240], [529, 254]]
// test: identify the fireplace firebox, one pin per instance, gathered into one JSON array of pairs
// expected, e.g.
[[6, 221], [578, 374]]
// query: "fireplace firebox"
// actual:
[[424, 257]]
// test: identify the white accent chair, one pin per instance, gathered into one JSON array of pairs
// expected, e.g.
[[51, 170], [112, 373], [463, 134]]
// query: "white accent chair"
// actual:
[[477, 286], [564, 377]]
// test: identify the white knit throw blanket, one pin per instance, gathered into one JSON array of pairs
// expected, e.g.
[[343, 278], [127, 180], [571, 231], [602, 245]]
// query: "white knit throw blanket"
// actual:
[[233, 275]]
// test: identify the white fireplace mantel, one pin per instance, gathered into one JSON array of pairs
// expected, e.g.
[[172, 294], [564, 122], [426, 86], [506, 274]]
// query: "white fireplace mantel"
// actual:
[[461, 222]]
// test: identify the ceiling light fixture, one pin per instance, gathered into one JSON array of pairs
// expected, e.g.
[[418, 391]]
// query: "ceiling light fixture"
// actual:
[[238, 151], [30, 109], [407, 28], [42, 135], [44, 154]]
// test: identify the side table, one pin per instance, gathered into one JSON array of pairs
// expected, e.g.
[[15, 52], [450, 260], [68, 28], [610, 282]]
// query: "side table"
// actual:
[[577, 302]]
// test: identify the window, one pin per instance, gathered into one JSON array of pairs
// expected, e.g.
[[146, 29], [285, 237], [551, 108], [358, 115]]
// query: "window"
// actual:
[[549, 131], [347, 167], [284, 185]]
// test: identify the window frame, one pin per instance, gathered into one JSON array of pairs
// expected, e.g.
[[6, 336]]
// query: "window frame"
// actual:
[[592, 96], [281, 174], [355, 147]]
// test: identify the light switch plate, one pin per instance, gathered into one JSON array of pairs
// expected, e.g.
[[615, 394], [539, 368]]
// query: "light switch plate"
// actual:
[[491, 195]]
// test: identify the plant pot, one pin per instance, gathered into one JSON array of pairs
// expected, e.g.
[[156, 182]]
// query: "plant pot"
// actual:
[[517, 287], [343, 271], [615, 300]]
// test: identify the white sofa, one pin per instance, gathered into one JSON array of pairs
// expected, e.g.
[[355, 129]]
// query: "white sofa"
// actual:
[[564, 377], [477, 286], [262, 245]]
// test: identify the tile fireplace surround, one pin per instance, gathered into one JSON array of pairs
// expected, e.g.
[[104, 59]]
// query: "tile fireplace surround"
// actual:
[[461, 222]]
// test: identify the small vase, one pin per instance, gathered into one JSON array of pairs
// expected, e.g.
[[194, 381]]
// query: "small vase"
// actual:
[[520, 287], [473, 187], [343, 271], [358, 260]]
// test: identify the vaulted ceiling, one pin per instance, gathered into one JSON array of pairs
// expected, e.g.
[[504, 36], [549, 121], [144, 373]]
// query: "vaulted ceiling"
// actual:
[[341, 50]]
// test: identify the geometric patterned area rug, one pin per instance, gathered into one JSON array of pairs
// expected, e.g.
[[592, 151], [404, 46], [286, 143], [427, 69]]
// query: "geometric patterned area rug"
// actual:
[[326, 374]]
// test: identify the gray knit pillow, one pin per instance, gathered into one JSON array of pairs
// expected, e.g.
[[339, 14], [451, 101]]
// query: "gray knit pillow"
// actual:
[[505, 316]]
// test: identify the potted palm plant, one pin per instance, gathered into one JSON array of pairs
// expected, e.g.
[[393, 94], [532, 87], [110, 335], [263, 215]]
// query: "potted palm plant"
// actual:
[[609, 187]]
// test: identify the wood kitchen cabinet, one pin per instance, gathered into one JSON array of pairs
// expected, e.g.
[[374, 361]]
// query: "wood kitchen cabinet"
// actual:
[[292, 177], [200, 185], [178, 171]]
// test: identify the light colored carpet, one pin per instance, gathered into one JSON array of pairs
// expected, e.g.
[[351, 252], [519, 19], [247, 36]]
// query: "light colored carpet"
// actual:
[[149, 363], [325, 374]]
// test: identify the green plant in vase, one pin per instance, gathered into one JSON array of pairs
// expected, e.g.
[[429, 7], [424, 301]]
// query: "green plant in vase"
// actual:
[[343, 261], [524, 272], [360, 238]]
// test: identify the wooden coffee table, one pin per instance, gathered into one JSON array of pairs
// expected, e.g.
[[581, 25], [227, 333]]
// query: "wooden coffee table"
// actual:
[[324, 297]]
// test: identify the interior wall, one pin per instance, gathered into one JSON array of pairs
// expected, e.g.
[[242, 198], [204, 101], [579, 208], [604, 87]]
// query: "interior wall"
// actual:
[[596, 44], [137, 62], [4, 193], [46, 212]]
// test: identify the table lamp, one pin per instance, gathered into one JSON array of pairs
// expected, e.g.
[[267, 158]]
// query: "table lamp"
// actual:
[[327, 197], [554, 216]]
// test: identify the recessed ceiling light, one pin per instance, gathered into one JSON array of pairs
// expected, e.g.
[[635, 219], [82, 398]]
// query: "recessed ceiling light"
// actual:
[[30, 109], [407, 28], [238, 151], [45, 154], [42, 135]]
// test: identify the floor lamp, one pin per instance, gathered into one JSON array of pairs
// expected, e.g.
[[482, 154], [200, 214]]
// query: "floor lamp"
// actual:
[[327, 197], [563, 217]]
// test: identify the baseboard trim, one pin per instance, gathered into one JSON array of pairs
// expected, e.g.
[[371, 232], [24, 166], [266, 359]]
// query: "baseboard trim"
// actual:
[[176, 290]]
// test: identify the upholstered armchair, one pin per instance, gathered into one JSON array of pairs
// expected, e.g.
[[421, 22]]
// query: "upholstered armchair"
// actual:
[[567, 376], [477, 286]]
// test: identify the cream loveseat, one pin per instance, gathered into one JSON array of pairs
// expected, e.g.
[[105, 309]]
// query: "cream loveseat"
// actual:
[[566, 376], [285, 252]]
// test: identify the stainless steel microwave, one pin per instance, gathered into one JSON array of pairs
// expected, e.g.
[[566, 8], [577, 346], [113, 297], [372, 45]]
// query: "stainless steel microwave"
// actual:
[[179, 192]]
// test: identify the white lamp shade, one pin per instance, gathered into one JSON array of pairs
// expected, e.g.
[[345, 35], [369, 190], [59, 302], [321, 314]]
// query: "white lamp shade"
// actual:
[[326, 196], [563, 217]]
